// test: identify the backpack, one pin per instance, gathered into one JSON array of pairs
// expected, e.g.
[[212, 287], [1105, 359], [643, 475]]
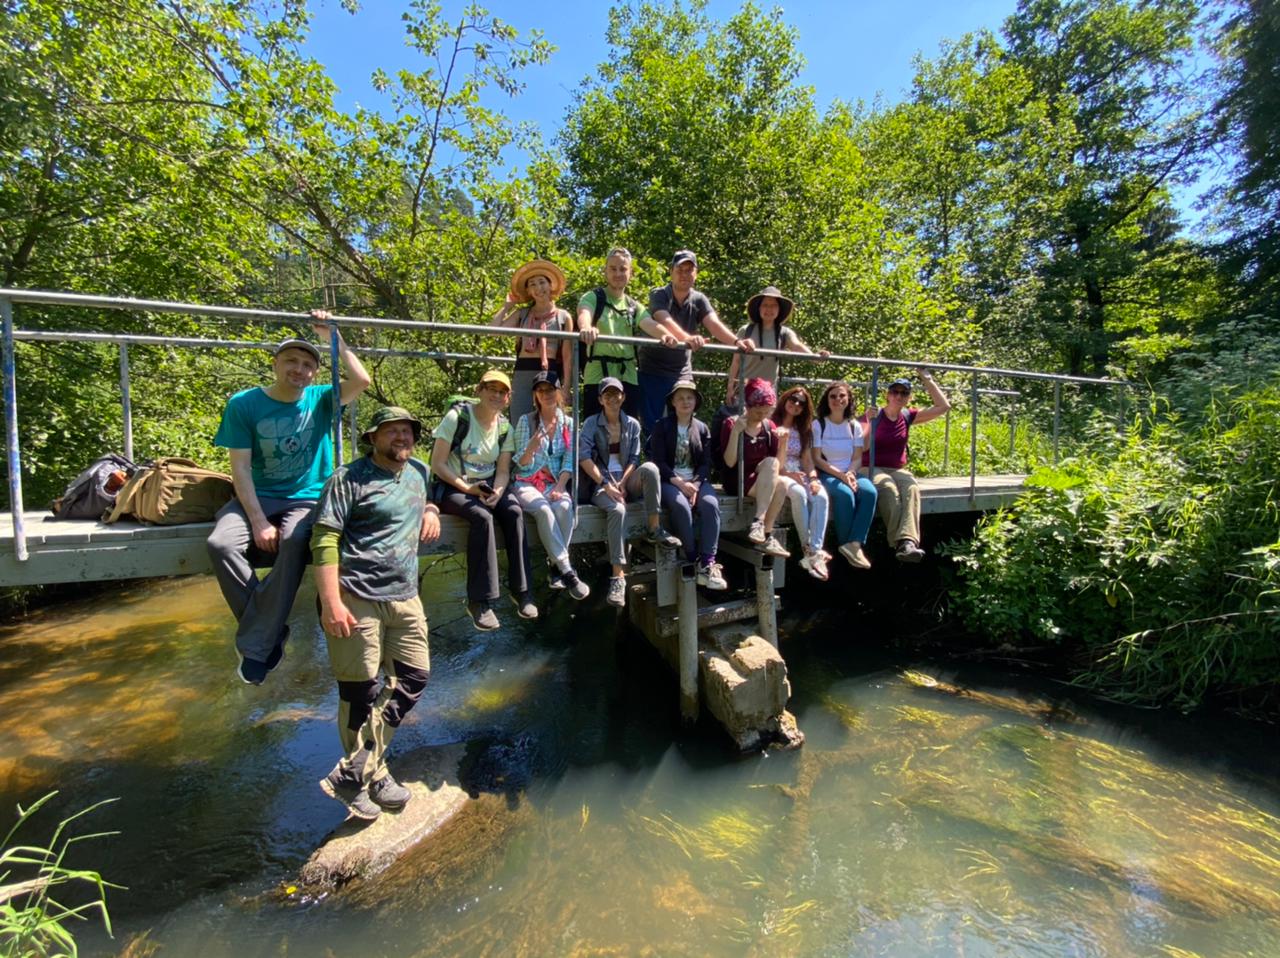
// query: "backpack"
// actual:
[[463, 407], [170, 491], [586, 354], [94, 491]]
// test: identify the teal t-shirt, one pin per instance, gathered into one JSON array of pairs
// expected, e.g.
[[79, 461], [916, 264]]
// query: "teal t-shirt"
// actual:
[[379, 514], [290, 452]]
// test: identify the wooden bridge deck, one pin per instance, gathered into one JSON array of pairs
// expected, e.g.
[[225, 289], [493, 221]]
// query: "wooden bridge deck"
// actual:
[[63, 550]]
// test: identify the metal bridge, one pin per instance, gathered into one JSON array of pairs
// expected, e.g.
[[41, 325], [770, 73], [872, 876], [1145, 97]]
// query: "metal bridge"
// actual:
[[37, 549]]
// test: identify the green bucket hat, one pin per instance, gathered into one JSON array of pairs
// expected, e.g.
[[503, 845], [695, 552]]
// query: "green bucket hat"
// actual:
[[390, 414]]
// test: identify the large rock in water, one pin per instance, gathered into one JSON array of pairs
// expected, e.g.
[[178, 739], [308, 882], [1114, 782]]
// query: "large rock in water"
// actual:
[[745, 687], [356, 849]]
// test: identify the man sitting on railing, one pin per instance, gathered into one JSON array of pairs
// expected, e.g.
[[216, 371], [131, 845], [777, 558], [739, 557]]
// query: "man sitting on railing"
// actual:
[[278, 437]]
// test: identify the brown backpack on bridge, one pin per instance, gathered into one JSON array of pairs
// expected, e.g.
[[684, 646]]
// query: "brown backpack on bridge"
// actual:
[[169, 491]]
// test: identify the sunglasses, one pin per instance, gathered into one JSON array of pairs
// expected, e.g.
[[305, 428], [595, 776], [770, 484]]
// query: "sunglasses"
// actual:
[[798, 400], [899, 392]]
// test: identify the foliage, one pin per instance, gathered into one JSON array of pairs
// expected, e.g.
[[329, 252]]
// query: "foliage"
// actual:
[[32, 921], [1144, 559]]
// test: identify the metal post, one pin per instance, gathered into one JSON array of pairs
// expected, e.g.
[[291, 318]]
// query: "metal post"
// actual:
[[973, 439], [126, 403], [871, 424], [946, 442], [765, 614], [576, 409], [1013, 425], [687, 613], [11, 433], [1057, 417], [335, 376]]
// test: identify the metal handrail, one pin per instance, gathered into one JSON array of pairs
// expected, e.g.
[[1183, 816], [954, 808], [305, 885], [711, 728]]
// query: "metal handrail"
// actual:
[[9, 296]]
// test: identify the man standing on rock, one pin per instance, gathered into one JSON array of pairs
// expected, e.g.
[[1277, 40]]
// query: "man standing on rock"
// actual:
[[372, 515], [278, 437]]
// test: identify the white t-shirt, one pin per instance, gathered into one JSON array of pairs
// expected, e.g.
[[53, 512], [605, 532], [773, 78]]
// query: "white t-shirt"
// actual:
[[839, 442]]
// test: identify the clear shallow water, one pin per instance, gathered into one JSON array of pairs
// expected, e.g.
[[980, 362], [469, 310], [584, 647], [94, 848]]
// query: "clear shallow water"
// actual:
[[913, 822]]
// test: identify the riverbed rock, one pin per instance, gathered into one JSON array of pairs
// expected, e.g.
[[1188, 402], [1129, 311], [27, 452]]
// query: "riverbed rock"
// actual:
[[744, 685], [356, 849]]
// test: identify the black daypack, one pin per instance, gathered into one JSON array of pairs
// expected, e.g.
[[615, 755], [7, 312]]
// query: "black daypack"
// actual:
[[586, 354], [463, 406], [93, 493]]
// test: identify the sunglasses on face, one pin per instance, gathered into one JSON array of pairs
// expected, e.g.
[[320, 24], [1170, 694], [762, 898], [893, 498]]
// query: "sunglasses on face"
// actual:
[[798, 400], [898, 392]]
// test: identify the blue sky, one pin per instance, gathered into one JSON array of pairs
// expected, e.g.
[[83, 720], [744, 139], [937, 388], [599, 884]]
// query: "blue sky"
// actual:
[[854, 49]]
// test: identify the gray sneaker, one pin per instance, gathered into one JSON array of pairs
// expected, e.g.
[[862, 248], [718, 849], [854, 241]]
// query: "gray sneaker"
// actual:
[[617, 591], [576, 588], [771, 546], [524, 605], [389, 794], [908, 551], [351, 793], [482, 616]]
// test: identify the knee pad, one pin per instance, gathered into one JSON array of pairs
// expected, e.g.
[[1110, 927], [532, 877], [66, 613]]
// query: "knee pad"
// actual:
[[410, 682], [360, 696]]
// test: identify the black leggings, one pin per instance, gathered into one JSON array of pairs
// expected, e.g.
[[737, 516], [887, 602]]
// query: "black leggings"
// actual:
[[482, 547]]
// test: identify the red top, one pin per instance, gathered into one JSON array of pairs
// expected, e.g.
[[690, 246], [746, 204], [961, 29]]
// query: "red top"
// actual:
[[755, 449], [891, 440]]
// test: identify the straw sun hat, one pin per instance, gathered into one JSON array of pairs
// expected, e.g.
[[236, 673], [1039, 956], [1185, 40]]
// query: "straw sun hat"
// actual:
[[537, 267]]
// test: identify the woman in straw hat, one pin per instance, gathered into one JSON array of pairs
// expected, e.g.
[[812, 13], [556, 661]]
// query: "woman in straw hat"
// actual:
[[768, 310], [531, 305]]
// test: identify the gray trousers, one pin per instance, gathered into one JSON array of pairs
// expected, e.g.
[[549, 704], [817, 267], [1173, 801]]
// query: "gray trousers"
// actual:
[[261, 607], [644, 480]]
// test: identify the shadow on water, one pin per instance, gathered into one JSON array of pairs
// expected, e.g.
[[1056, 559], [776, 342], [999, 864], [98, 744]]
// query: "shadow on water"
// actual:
[[917, 819]]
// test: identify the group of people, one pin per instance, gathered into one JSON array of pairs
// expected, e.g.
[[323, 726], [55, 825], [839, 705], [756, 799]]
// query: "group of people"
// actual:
[[361, 524]]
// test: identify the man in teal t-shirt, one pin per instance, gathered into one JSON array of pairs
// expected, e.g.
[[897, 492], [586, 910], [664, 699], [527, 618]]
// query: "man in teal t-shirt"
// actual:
[[278, 438]]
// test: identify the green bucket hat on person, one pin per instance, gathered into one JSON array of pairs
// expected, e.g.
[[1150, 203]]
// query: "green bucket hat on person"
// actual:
[[391, 414], [684, 384]]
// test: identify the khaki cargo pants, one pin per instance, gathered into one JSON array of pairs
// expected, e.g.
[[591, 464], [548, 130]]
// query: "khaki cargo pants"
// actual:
[[898, 504], [390, 638]]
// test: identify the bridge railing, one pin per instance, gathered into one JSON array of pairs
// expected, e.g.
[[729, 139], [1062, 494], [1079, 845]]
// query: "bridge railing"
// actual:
[[10, 297]]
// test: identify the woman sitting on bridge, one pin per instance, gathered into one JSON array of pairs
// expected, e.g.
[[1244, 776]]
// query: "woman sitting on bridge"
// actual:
[[758, 438], [799, 476], [609, 456], [837, 442], [899, 494], [680, 446], [531, 305], [471, 460], [544, 466]]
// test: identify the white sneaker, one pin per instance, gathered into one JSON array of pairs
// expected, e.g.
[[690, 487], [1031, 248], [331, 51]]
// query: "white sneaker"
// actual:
[[617, 591], [814, 564], [756, 532], [711, 575]]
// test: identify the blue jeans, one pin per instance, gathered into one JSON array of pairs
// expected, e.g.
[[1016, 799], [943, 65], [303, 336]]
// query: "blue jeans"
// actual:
[[707, 512], [653, 398], [853, 514]]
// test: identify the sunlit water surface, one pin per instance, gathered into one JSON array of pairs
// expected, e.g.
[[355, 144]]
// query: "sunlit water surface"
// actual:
[[913, 822]]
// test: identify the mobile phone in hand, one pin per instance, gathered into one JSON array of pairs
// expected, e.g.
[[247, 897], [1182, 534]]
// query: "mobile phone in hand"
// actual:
[[486, 489]]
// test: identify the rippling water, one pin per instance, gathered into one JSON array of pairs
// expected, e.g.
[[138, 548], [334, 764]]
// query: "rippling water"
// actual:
[[913, 822]]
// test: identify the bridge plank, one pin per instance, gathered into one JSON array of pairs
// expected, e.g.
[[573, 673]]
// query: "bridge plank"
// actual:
[[64, 550]]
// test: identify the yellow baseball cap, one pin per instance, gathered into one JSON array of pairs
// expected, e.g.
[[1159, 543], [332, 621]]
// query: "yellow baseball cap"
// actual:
[[495, 376]]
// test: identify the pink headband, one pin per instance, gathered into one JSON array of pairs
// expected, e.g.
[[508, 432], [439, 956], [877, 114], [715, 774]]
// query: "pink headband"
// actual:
[[759, 392]]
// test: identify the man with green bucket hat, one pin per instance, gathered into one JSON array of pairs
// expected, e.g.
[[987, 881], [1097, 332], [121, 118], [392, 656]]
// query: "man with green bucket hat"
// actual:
[[372, 515]]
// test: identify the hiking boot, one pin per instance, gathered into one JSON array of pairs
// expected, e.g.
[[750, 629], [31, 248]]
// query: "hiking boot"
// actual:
[[482, 616], [658, 536], [252, 672], [815, 564], [277, 654], [711, 575], [852, 551], [756, 533], [617, 591], [772, 546], [576, 587], [351, 793], [389, 794], [908, 551], [524, 605]]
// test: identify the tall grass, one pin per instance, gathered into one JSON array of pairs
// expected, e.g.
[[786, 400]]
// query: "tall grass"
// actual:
[[32, 920]]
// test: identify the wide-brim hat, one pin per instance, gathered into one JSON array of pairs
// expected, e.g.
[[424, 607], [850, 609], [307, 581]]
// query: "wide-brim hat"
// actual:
[[386, 414], [785, 306], [684, 384], [537, 267]]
